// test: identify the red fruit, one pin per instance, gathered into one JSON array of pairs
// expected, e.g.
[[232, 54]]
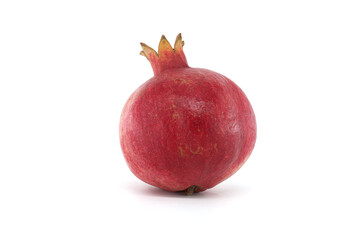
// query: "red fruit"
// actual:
[[185, 129]]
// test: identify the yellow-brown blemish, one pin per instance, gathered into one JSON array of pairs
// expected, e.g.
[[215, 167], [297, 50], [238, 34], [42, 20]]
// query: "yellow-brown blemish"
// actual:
[[183, 81], [215, 147], [175, 115], [182, 152], [172, 106], [199, 150]]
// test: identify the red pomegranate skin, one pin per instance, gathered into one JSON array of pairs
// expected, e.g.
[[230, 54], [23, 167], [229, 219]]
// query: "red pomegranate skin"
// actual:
[[186, 129]]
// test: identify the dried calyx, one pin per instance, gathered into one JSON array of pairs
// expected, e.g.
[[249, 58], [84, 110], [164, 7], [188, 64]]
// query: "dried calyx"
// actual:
[[167, 57]]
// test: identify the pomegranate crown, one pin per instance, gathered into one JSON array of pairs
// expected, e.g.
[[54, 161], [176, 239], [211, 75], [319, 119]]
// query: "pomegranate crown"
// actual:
[[166, 57]]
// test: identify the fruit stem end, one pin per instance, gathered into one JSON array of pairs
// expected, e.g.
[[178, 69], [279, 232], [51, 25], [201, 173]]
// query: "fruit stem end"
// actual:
[[190, 190]]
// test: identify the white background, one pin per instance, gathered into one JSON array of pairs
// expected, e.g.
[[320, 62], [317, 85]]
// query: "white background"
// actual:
[[67, 68]]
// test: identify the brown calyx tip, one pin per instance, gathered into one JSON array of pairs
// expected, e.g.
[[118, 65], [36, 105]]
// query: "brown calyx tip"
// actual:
[[167, 57], [147, 51], [164, 45], [179, 43]]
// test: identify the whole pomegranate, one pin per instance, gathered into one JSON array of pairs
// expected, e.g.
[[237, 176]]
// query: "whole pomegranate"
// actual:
[[185, 129]]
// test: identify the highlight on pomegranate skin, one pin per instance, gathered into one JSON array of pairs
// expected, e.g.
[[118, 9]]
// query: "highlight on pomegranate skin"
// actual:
[[185, 129]]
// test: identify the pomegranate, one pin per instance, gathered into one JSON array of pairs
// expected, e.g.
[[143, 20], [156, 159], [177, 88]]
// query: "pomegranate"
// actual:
[[185, 129]]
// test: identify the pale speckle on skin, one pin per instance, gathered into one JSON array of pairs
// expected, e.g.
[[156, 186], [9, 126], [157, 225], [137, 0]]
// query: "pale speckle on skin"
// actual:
[[129, 151], [233, 126], [197, 107]]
